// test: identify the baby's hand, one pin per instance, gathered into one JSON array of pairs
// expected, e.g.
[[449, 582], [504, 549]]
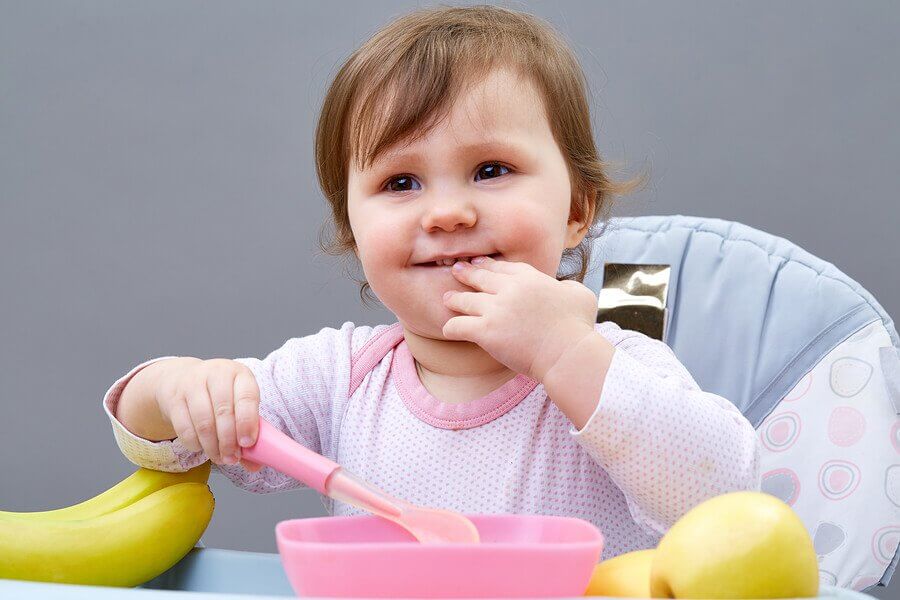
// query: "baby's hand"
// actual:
[[521, 316], [211, 404]]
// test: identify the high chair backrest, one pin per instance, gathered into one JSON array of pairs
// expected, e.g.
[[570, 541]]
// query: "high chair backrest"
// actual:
[[810, 358]]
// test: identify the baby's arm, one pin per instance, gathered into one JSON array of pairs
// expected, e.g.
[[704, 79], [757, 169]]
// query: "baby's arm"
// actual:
[[665, 442], [297, 383], [143, 435]]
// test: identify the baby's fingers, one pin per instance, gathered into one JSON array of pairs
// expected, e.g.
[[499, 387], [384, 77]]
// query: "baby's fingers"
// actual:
[[200, 407], [180, 419], [246, 407], [219, 384]]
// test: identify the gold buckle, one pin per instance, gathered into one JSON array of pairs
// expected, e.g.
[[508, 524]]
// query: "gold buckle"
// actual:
[[634, 297]]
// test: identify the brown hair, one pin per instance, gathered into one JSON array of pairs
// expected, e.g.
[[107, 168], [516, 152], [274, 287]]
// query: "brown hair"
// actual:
[[405, 79]]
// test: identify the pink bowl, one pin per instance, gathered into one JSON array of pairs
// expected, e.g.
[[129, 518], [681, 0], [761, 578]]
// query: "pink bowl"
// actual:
[[366, 556]]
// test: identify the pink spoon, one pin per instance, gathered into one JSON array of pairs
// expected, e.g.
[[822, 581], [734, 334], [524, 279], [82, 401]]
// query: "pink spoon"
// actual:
[[429, 525]]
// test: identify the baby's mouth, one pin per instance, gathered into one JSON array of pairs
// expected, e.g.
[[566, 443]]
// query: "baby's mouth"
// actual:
[[449, 263]]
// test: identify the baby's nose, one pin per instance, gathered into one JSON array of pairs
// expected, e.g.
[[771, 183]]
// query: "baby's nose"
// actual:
[[449, 216]]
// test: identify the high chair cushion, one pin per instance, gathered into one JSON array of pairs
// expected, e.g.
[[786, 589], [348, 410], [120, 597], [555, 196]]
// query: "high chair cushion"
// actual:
[[829, 449], [810, 358]]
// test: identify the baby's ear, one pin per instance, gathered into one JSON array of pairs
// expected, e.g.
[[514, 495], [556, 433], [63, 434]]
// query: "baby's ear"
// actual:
[[578, 228]]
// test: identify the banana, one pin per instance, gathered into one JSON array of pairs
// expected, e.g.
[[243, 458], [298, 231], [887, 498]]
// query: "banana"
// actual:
[[139, 484], [125, 547]]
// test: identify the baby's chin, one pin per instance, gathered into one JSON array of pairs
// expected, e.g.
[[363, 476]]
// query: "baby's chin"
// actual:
[[425, 318]]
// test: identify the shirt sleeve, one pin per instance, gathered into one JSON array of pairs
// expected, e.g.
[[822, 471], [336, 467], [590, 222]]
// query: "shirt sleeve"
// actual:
[[297, 386], [667, 444]]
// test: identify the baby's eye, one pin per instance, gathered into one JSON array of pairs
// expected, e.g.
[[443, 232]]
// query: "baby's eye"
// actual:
[[405, 179], [491, 169]]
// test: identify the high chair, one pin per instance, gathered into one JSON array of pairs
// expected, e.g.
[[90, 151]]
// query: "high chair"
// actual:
[[806, 353]]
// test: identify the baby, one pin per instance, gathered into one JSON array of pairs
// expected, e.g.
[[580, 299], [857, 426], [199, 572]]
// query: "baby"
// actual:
[[456, 152]]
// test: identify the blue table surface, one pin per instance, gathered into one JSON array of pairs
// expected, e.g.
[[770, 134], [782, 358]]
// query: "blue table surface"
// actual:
[[207, 573]]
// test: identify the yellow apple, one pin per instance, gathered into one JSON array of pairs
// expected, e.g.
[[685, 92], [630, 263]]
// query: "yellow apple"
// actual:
[[736, 545], [624, 576]]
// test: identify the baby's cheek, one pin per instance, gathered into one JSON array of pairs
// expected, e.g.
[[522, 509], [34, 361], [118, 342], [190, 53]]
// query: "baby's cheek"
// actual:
[[385, 266], [532, 238], [376, 261], [381, 244]]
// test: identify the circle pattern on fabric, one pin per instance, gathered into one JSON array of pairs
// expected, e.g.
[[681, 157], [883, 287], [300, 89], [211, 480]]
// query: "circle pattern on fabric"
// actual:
[[892, 484], [849, 376], [838, 479], [783, 484], [846, 426], [781, 431], [884, 543], [828, 538]]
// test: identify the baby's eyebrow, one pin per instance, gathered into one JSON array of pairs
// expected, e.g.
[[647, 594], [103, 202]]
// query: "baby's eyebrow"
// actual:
[[458, 151]]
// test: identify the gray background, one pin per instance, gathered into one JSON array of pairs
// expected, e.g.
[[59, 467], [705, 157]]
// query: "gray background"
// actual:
[[159, 196]]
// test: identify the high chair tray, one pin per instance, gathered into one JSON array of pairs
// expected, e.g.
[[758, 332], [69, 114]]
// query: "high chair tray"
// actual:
[[213, 573]]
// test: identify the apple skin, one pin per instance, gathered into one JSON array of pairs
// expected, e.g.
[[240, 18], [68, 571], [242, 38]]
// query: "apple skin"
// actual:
[[736, 545]]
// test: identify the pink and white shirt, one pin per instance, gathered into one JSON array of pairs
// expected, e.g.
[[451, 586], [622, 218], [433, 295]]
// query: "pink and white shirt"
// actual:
[[655, 446]]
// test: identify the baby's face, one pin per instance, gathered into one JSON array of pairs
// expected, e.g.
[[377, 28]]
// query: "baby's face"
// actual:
[[490, 179]]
